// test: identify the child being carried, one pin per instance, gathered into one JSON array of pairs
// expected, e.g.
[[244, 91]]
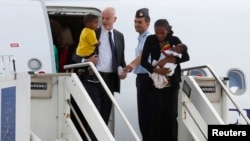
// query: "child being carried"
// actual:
[[161, 81]]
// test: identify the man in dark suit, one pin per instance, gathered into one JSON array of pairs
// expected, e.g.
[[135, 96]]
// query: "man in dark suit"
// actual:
[[110, 57], [106, 65]]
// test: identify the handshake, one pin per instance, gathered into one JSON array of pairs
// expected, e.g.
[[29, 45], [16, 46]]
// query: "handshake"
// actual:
[[122, 72], [128, 68]]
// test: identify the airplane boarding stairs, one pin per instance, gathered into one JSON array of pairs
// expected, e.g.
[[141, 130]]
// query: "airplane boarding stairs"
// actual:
[[66, 88], [46, 116], [40, 107], [203, 101]]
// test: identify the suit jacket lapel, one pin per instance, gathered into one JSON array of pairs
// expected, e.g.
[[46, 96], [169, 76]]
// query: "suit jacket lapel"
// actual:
[[98, 32]]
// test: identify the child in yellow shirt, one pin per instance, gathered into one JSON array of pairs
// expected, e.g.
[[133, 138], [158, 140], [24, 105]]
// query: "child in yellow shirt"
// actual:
[[88, 41]]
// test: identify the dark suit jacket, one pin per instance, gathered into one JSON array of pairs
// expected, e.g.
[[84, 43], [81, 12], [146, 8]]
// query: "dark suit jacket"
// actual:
[[120, 47]]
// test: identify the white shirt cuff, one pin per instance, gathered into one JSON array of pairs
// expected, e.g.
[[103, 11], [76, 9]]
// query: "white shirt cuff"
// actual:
[[83, 59]]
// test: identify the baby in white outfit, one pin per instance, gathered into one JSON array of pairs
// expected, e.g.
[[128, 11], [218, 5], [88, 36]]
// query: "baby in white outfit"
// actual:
[[160, 81]]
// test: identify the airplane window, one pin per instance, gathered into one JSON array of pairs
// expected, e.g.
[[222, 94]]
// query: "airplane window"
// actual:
[[236, 81], [34, 64], [198, 72]]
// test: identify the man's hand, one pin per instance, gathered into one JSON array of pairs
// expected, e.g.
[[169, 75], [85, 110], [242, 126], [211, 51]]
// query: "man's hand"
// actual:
[[122, 75], [128, 68]]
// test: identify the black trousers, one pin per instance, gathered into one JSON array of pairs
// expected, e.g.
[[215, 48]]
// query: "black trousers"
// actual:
[[143, 85], [164, 112], [99, 95]]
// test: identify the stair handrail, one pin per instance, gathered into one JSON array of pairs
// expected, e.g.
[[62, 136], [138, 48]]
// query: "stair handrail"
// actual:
[[193, 118], [71, 67], [228, 93]]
